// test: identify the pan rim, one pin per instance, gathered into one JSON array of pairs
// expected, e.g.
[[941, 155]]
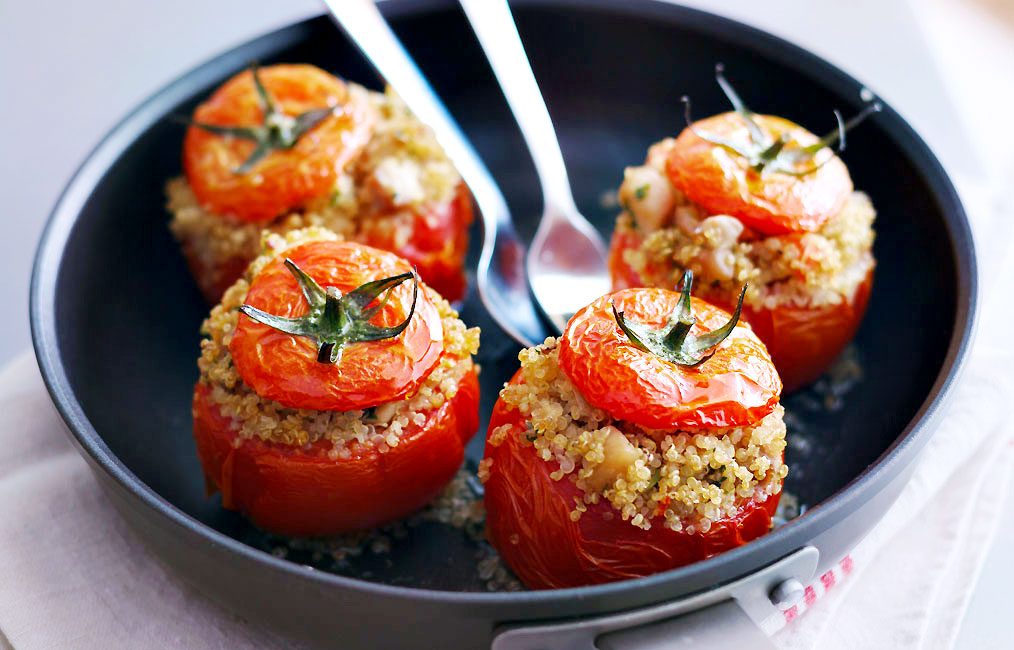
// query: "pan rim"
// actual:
[[63, 218]]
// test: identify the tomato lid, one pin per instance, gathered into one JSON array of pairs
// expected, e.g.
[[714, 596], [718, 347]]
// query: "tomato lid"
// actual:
[[271, 139], [768, 172], [614, 352], [370, 336]]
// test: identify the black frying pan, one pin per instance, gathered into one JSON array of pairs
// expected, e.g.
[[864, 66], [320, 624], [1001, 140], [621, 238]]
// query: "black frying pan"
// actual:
[[115, 321]]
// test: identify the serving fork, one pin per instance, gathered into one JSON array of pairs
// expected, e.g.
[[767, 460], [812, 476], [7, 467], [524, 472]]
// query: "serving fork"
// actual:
[[567, 261], [500, 277]]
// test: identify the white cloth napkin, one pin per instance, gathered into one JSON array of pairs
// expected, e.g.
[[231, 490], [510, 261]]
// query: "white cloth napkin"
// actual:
[[909, 581], [72, 574]]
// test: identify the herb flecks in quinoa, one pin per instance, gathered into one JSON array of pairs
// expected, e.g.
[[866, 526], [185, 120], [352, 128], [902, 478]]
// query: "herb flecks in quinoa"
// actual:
[[379, 428], [680, 479], [818, 268]]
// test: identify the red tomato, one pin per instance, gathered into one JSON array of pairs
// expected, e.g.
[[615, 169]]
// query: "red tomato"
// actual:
[[437, 244], [736, 387], [213, 280], [528, 521], [284, 368], [803, 341], [622, 274], [722, 182], [301, 492], [284, 179]]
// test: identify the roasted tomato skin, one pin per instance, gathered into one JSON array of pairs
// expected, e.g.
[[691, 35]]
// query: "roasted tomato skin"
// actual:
[[438, 242], [302, 493], [214, 280], [528, 522], [773, 203], [284, 368], [621, 273], [737, 386], [284, 179], [803, 341]]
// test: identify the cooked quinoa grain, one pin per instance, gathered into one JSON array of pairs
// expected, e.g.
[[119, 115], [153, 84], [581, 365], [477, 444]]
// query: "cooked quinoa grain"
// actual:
[[379, 428], [401, 168], [687, 480], [818, 268]]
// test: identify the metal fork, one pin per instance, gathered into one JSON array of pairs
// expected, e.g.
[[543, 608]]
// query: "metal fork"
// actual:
[[567, 260], [501, 274]]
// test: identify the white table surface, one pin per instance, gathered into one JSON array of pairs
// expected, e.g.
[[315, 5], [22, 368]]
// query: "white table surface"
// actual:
[[69, 72]]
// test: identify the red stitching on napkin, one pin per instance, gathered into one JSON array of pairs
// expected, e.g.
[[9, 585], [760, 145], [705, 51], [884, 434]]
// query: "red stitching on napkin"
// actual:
[[819, 587]]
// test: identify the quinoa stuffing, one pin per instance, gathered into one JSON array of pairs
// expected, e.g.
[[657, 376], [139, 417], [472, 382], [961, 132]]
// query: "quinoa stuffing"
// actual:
[[379, 427], [688, 479], [817, 268]]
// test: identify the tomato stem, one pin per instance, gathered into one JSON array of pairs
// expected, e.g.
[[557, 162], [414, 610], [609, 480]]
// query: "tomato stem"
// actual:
[[757, 136], [335, 320], [674, 342], [276, 131], [783, 155]]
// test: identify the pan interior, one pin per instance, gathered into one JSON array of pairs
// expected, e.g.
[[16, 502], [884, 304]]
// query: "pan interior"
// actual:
[[128, 313]]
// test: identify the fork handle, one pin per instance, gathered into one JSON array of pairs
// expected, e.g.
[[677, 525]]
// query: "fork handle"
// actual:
[[364, 25], [494, 25], [500, 275]]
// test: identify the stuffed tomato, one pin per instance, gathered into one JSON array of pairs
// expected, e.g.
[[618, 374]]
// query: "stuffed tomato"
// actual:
[[647, 437], [336, 390], [741, 197], [290, 146]]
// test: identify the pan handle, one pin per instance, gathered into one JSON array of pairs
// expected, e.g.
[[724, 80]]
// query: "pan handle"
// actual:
[[724, 625], [736, 614]]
